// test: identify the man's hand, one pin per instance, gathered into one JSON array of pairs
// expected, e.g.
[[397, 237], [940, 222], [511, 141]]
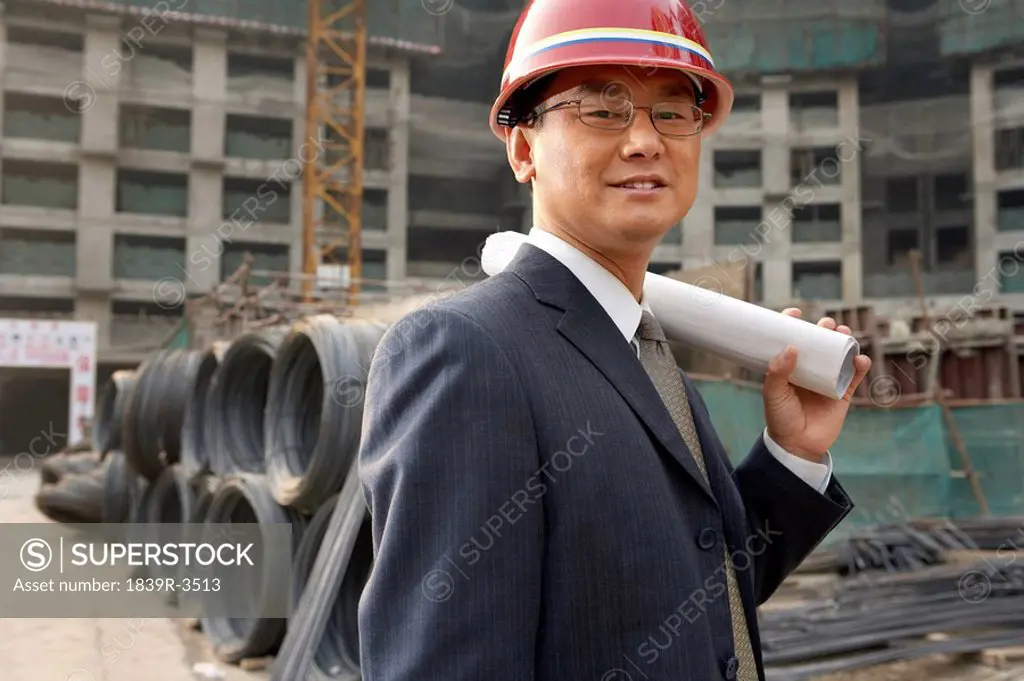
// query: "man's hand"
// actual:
[[804, 423]]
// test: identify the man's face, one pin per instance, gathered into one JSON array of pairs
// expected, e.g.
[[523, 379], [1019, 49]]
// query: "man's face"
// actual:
[[580, 173]]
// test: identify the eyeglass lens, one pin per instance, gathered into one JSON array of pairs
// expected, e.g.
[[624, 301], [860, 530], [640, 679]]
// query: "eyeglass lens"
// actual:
[[670, 118]]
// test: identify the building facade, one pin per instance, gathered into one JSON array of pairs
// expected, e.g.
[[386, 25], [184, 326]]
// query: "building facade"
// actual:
[[140, 158]]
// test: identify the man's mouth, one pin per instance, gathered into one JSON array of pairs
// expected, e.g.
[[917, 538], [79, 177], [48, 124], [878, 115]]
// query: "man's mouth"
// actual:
[[648, 185]]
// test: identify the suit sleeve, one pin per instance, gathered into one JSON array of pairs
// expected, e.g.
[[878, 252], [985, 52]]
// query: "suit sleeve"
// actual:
[[789, 516], [448, 448]]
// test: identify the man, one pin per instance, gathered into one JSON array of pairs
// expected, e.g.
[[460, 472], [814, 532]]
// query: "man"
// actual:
[[550, 501]]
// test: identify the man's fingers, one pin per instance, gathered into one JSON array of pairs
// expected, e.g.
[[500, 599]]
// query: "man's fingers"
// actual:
[[780, 368], [844, 329], [793, 312], [827, 323], [861, 367]]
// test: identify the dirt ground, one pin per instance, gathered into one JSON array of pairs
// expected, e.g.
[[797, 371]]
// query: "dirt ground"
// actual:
[[70, 649], [167, 650]]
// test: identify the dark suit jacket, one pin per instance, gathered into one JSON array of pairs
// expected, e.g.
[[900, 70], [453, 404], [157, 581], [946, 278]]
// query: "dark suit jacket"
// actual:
[[536, 514]]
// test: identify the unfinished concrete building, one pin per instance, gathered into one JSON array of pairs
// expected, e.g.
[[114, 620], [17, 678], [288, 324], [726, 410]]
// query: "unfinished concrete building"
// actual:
[[861, 131]]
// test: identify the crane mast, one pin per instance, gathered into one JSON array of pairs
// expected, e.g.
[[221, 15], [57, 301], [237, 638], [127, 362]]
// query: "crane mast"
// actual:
[[335, 111]]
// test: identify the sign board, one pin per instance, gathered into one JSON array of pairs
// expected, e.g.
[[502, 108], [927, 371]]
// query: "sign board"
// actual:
[[55, 344], [332, 276]]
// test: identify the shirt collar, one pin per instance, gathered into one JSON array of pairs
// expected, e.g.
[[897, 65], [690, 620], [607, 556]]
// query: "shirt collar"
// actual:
[[610, 293]]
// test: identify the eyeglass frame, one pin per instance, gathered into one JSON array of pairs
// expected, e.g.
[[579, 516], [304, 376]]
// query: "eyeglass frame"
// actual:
[[704, 116]]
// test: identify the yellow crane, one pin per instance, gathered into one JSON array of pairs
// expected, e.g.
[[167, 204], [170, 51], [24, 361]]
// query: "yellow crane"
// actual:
[[335, 110]]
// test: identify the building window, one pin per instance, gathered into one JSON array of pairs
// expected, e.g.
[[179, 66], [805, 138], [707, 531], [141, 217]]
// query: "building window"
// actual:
[[148, 258], [41, 118], [951, 192], [817, 223], [247, 201], [953, 247], [1010, 210], [434, 244], [375, 209], [267, 261], [1009, 148], [145, 192], [39, 252], [377, 149], [40, 184], [258, 137], [814, 110], [1011, 272], [734, 169], [143, 323], [818, 280], [474, 196], [55, 308], [736, 225], [818, 164], [901, 195], [899, 244], [160, 129]]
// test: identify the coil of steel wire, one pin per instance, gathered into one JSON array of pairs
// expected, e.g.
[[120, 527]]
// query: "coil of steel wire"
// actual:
[[237, 400], [178, 384], [310, 617], [246, 498], [338, 650], [194, 445], [315, 407], [204, 488], [117, 500], [152, 432], [110, 412]]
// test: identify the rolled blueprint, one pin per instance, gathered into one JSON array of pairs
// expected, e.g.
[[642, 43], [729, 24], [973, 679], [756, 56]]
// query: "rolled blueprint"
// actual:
[[728, 328]]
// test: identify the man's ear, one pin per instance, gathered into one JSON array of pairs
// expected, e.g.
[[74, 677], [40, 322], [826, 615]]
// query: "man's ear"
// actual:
[[519, 147]]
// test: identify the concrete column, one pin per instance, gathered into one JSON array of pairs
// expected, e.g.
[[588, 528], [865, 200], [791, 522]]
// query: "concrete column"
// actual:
[[398, 185], [203, 243], [209, 92], [96, 96], [850, 151], [96, 309], [777, 267], [300, 137], [94, 247], [97, 93], [3, 69], [775, 124], [984, 169], [699, 222]]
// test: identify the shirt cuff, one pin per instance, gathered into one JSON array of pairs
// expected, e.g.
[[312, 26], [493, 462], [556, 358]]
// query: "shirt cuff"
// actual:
[[817, 475]]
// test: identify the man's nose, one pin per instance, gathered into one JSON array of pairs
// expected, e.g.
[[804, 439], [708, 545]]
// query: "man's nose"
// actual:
[[641, 137]]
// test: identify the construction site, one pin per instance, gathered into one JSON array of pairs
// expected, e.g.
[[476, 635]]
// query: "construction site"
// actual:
[[211, 212]]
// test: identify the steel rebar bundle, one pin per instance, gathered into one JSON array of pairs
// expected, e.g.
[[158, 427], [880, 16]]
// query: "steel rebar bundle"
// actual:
[[311, 618], [152, 424], [246, 498], [110, 412], [315, 408], [873, 620], [195, 446], [237, 402], [338, 650]]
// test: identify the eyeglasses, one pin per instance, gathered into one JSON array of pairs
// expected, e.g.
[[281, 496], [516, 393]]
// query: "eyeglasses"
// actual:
[[671, 119]]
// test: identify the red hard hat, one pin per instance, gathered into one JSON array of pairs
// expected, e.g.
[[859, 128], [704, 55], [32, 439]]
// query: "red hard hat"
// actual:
[[648, 34]]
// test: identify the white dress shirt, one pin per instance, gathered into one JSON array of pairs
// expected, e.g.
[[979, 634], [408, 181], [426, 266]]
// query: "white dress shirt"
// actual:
[[625, 312]]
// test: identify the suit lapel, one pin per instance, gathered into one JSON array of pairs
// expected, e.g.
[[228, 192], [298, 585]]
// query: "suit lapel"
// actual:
[[588, 327]]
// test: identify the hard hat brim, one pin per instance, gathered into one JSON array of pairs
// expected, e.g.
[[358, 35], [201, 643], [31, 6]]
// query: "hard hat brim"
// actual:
[[716, 88]]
